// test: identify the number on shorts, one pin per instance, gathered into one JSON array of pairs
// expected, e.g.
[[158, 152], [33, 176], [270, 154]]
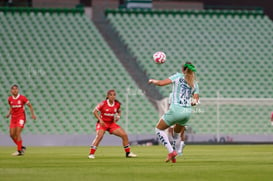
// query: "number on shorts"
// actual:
[[21, 122]]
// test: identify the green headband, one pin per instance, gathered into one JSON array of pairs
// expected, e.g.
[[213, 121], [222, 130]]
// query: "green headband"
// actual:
[[190, 66]]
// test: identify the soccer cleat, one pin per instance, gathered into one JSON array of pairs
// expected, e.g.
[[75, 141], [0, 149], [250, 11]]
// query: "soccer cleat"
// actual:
[[171, 156], [130, 155], [91, 156], [174, 160], [17, 153]]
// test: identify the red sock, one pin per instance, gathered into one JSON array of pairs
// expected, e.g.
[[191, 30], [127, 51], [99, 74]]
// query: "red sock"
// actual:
[[127, 148], [19, 145], [93, 150]]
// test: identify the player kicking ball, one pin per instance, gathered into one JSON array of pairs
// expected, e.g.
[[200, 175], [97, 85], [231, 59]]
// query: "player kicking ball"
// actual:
[[18, 118], [184, 88]]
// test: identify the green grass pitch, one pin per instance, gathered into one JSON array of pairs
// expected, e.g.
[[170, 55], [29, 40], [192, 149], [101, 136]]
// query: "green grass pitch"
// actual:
[[200, 162]]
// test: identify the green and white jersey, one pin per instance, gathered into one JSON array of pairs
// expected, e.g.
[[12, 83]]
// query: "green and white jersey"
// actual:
[[182, 92]]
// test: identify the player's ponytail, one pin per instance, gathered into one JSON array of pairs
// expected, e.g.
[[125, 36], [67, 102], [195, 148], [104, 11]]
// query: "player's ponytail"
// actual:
[[189, 69]]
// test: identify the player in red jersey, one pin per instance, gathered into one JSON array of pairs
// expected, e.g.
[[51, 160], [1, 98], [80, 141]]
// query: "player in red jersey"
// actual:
[[18, 117], [109, 114]]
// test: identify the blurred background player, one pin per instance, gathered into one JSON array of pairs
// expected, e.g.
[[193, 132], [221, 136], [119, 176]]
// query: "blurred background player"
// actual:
[[18, 117], [184, 86], [109, 114]]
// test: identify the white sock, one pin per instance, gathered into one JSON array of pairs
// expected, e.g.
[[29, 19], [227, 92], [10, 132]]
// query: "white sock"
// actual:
[[172, 141], [163, 138], [176, 138], [170, 135], [181, 146]]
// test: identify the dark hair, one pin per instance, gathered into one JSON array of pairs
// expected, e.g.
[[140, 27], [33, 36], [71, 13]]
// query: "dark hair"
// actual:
[[14, 85], [108, 92], [111, 90], [184, 67]]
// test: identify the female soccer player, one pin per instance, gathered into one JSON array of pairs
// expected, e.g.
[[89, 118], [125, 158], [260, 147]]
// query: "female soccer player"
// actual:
[[184, 86], [109, 114], [18, 117]]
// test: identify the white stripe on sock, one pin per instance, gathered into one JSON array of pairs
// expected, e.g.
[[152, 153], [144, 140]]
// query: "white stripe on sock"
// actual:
[[163, 138]]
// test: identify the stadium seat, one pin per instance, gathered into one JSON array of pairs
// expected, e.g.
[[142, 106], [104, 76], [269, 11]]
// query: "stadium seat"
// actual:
[[60, 62], [226, 47]]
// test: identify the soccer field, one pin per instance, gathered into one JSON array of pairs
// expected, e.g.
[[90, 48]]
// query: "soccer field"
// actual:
[[225, 162]]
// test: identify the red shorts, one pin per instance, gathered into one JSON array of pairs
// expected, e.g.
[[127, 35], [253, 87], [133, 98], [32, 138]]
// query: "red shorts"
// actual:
[[17, 122], [112, 126]]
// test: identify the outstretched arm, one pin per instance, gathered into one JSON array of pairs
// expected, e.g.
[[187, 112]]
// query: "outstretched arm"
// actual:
[[160, 82]]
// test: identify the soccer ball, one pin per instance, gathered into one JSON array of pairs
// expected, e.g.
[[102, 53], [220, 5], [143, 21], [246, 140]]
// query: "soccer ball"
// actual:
[[159, 57]]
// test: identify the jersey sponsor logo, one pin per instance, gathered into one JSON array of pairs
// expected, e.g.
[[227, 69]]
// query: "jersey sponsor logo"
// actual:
[[108, 114], [16, 106]]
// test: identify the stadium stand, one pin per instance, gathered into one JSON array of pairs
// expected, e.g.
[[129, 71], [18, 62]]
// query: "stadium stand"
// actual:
[[64, 66], [232, 50]]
